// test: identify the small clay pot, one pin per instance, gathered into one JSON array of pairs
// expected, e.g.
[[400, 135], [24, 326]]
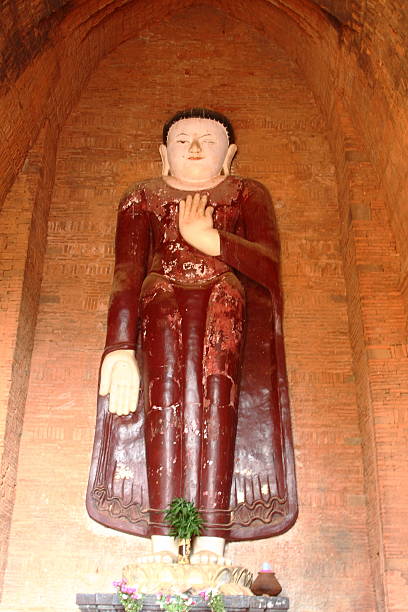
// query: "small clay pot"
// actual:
[[266, 584]]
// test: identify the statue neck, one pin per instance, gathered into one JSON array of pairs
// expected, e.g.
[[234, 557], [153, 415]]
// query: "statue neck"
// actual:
[[184, 185]]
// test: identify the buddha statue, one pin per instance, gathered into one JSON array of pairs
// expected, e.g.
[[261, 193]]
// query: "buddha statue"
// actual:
[[193, 395]]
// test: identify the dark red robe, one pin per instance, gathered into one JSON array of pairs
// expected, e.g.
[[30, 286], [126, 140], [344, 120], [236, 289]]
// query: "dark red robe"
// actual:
[[258, 495]]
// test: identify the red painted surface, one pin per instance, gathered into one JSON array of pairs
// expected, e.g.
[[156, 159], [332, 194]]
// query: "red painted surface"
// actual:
[[189, 308]]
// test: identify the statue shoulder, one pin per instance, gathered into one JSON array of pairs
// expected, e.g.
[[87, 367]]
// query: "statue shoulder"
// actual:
[[257, 193], [137, 195], [252, 185], [130, 198]]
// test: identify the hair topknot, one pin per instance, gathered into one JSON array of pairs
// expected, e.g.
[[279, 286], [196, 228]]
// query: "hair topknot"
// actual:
[[199, 113]]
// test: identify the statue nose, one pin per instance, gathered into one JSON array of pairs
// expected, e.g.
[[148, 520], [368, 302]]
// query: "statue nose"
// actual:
[[195, 147]]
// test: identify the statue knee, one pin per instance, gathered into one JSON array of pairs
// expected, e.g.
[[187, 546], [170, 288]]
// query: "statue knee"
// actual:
[[220, 390], [164, 392]]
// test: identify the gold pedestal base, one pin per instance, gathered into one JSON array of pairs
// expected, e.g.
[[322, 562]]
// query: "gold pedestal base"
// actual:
[[177, 577]]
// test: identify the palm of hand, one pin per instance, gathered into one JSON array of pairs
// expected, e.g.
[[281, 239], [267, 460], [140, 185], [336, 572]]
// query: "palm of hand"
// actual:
[[120, 379], [196, 224]]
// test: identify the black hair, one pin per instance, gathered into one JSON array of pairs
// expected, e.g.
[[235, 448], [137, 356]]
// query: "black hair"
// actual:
[[199, 113]]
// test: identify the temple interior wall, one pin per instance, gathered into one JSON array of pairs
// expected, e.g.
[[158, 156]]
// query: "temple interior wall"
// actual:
[[326, 138]]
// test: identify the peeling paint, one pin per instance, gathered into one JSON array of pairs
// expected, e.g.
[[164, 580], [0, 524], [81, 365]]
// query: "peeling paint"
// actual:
[[123, 472]]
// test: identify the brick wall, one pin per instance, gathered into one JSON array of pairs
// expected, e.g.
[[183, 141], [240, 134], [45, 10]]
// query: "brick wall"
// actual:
[[338, 173], [109, 141], [23, 236]]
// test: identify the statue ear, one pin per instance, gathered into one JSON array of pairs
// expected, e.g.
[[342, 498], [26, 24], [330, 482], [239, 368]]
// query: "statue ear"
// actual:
[[165, 161], [226, 166]]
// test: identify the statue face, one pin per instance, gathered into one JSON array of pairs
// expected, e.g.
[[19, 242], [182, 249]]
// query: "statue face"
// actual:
[[197, 149]]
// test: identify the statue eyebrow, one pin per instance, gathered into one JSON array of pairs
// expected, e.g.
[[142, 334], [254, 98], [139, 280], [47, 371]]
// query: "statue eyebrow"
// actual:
[[189, 135]]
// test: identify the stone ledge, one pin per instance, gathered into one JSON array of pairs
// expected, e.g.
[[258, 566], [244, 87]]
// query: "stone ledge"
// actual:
[[109, 602]]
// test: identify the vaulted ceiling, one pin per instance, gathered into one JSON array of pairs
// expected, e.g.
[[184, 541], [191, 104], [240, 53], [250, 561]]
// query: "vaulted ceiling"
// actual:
[[345, 12], [352, 53], [28, 27]]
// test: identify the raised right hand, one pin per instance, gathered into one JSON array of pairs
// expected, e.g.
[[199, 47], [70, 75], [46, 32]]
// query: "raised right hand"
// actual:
[[195, 220], [120, 377]]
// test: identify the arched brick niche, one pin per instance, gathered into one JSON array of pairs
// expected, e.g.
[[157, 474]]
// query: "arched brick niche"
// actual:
[[353, 50], [341, 268]]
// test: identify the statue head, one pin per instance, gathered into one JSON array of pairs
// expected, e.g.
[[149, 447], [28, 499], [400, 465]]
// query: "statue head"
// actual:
[[198, 145]]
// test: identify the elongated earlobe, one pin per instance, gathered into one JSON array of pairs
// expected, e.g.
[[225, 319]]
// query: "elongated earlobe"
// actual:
[[165, 161], [226, 166]]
